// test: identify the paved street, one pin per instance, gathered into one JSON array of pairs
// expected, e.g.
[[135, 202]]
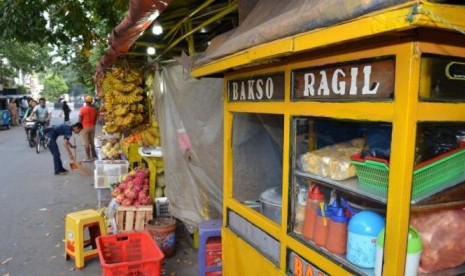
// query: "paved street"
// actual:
[[34, 203]]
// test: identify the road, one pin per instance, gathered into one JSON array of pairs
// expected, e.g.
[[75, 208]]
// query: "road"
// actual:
[[34, 204]]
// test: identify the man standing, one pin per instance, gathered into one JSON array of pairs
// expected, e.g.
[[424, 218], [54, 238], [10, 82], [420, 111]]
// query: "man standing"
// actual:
[[66, 131], [88, 117]]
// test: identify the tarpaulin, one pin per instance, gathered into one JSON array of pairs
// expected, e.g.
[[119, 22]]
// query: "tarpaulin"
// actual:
[[140, 15], [274, 19], [190, 116]]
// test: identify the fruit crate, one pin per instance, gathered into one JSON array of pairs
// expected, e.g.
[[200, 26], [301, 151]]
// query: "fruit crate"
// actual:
[[427, 176], [129, 254], [132, 218]]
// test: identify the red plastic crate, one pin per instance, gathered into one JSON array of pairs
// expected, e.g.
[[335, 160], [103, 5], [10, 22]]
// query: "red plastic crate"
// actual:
[[213, 252], [214, 273], [129, 254]]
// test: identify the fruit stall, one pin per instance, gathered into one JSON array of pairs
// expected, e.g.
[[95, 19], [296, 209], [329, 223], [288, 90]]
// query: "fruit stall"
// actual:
[[129, 120], [343, 146]]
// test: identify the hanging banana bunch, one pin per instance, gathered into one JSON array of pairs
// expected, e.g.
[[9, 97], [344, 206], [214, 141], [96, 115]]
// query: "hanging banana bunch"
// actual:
[[123, 99]]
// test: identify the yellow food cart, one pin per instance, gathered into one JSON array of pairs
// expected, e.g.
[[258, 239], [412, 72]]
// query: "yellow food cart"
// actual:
[[392, 68]]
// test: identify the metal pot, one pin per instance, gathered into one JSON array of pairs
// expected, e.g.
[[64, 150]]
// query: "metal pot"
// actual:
[[271, 204]]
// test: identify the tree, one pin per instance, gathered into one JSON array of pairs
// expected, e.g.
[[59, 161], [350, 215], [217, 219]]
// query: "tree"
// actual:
[[72, 28], [24, 57], [54, 87]]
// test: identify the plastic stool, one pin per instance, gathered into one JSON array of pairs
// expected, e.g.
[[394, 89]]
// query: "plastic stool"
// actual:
[[76, 241], [207, 229]]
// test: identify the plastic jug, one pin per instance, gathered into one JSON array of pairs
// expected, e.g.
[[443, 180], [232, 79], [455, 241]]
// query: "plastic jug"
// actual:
[[337, 232], [300, 209], [315, 197], [363, 231], [414, 249], [323, 218]]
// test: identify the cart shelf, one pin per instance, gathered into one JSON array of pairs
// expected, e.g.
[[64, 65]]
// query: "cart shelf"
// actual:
[[352, 186]]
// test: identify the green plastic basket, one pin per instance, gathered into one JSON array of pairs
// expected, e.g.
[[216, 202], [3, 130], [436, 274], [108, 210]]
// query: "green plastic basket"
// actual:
[[427, 176]]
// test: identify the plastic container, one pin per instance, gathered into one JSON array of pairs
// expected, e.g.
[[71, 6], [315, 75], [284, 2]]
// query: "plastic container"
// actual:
[[414, 249], [163, 232], [315, 197], [271, 204], [129, 254], [323, 217], [337, 232], [363, 231], [213, 252], [427, 176], [300, 209]]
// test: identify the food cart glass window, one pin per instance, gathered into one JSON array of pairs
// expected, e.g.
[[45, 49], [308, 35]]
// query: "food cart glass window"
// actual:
[[323, 155], [257, 162], [442, 78], [437, 198]]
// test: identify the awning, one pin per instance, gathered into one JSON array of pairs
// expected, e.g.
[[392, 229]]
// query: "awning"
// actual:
[[140, 15]]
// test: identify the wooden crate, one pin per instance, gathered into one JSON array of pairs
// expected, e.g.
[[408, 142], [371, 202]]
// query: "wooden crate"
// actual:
[[131, 218]]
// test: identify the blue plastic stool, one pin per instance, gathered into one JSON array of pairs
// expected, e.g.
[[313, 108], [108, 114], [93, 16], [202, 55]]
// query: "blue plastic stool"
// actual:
[[207, 229]]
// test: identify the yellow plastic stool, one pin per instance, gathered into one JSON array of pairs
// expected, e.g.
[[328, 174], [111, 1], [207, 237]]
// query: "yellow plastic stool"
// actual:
[[77, 240]]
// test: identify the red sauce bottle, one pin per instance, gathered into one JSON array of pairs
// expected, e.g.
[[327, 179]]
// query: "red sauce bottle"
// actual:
[[337, 233], [315, 197]]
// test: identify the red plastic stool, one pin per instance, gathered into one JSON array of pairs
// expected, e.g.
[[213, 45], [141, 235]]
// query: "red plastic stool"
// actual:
[[207, 229]]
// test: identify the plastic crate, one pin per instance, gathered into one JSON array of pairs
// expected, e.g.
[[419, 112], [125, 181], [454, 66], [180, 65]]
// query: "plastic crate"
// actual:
[[427, 176], [104, 181], [111, 167], [162, 207], [129, 254]]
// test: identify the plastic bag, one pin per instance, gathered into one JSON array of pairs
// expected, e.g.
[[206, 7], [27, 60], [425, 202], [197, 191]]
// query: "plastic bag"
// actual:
[[434, 140], [442, 235], [333, 161], [378, 142]]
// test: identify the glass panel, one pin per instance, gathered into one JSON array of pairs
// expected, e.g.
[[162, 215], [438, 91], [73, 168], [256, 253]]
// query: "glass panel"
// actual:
[[326, 192], [257, 162], [437, 220], [442, 78]]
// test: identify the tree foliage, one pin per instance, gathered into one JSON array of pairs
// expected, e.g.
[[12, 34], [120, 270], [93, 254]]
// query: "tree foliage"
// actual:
[[54, 87], [27, 57], [74, 29]]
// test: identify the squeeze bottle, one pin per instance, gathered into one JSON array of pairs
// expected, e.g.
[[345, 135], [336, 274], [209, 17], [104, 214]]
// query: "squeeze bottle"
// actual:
[[315, 197], [337, 232], [322, 225]]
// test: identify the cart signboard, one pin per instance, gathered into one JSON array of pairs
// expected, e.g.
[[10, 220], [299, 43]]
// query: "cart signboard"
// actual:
[[299, 267], [257, 88], [366, 79]]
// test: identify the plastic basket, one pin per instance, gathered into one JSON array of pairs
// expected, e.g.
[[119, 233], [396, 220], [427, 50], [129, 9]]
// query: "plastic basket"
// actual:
[[129, 254], [427, 176]]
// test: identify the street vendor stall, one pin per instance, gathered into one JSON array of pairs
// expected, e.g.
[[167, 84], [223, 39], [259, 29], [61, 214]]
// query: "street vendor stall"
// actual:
[[306, 115]]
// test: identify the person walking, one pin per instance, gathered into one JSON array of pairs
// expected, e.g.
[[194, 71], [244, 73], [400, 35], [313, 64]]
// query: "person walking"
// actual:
[[14, 112], [88, 117], [66, 111], [52, 134]]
